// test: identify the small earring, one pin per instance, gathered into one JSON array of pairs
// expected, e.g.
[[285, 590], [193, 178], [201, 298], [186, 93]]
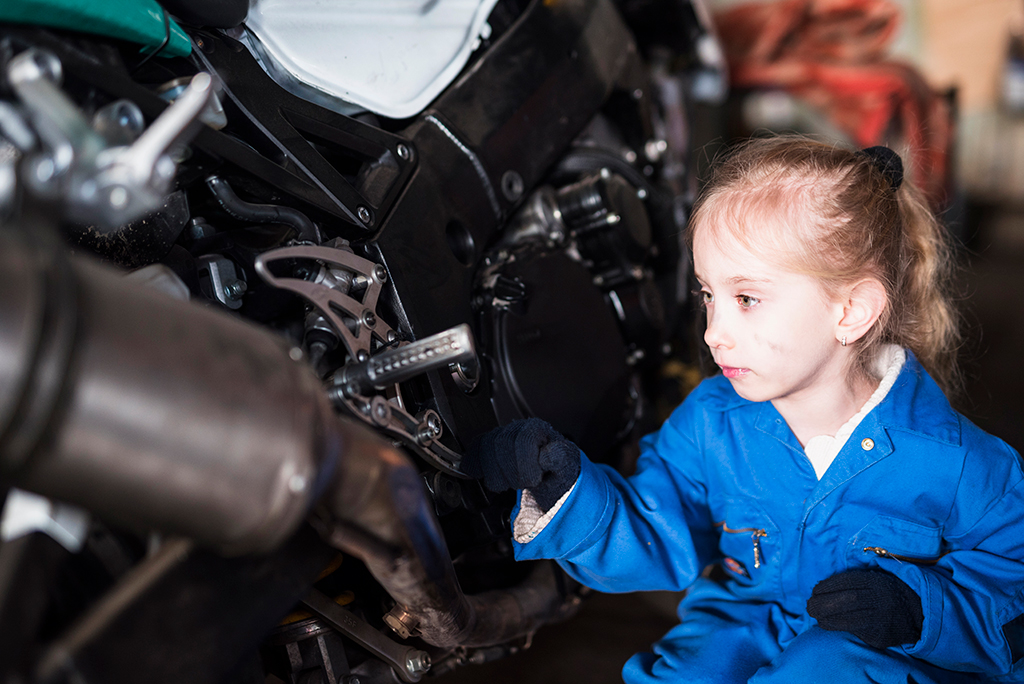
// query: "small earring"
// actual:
[[843, 341]]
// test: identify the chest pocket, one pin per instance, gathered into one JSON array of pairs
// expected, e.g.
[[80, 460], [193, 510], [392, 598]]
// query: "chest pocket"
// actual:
[[902, 540], [748, 540]]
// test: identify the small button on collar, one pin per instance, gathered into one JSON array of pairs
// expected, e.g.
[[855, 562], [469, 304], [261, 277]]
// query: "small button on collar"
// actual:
[[867, 444]]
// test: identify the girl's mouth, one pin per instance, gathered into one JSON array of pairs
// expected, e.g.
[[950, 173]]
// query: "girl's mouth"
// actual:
[[730, 372]]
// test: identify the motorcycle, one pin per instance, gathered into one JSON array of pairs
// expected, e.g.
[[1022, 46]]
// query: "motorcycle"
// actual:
[[267, 269]]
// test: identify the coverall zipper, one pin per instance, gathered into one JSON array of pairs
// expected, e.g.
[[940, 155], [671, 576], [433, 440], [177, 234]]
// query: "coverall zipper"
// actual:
[[755, 536], [885, 553]]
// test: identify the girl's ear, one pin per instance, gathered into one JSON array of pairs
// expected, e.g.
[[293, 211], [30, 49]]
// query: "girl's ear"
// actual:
[[862, 304]]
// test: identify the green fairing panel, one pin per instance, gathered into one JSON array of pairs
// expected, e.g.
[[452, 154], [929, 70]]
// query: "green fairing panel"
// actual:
[[138, 21]]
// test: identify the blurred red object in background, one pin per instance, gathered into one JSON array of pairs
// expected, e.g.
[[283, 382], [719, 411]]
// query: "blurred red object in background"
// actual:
[[833, 55]]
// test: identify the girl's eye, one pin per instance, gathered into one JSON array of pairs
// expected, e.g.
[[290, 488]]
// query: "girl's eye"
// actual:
[[706, 297], [746, 301]]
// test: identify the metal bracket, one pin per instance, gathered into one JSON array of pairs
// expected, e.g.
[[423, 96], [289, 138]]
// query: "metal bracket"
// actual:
[[362, 315]]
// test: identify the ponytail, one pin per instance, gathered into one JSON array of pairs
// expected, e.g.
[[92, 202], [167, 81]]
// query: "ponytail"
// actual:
[[925, 319]]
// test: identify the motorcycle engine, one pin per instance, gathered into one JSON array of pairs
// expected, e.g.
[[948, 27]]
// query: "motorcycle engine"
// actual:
[[501, 239]]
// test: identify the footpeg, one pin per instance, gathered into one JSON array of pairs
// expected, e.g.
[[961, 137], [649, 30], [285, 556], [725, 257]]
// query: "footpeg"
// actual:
[[453, 347]]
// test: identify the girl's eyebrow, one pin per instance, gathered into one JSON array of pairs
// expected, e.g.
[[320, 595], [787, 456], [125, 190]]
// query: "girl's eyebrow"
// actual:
[[744, 280]]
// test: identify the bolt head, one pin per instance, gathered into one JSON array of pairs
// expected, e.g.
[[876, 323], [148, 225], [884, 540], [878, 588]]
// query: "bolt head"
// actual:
[[434, 424], [369, 319], [417, 662], [512, 185], [380, 273], [403, 151], [364, 215]]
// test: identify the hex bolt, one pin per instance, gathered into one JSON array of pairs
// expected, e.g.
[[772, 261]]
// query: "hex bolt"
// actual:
[[401, 622], [364, 215], [417, 662]]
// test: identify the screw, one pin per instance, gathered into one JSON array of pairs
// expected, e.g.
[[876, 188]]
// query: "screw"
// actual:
[[234, 290], [380, 411], [362, 355], [364, 215], [380, 273], [512, 185], [369, 319], [429, 429], [404, 152], [200, 44], [434, 424], [392, 336]]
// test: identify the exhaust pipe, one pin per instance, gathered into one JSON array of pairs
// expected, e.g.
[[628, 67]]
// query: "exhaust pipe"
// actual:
[[151, 412], [155, 413]]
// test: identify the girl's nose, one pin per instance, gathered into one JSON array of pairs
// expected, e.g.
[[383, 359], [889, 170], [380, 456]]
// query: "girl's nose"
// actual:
[[716, 336]]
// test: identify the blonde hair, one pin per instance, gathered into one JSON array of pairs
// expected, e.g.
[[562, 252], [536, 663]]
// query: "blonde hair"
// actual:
[[860, 226]]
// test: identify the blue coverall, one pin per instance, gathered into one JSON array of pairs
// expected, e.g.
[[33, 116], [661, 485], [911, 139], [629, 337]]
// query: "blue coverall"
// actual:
[[917, 490]]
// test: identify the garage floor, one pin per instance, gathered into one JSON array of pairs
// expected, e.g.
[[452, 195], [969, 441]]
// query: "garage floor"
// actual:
[[593, 646]]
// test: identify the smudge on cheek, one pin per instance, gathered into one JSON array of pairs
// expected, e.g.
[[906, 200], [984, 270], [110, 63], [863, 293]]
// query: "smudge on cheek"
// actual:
[[763, 341]]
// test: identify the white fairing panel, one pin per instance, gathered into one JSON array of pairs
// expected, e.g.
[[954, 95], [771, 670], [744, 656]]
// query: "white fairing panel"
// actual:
[[392, 57]]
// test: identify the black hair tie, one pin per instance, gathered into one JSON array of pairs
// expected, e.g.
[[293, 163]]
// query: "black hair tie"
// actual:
[[888, 162]]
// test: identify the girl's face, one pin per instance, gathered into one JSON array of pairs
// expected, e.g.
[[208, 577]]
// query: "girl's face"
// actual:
[[771, 330]]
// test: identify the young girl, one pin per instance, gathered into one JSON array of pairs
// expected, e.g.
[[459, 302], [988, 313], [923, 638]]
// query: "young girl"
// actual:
[[868, 533]]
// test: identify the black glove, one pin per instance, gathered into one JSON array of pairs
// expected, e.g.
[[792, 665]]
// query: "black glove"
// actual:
[[875, 606], [525, 454]]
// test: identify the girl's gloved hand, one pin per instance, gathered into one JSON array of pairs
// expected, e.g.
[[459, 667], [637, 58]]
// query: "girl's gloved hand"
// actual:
[[525, 454], [875, 606]]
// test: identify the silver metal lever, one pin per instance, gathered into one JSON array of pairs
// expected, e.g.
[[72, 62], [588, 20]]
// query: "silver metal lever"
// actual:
[[109, 186], [386, 368]]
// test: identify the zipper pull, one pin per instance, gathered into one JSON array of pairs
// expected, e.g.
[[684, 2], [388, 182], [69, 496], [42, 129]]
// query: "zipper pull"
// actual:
[[756, 538], [884, 553]]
